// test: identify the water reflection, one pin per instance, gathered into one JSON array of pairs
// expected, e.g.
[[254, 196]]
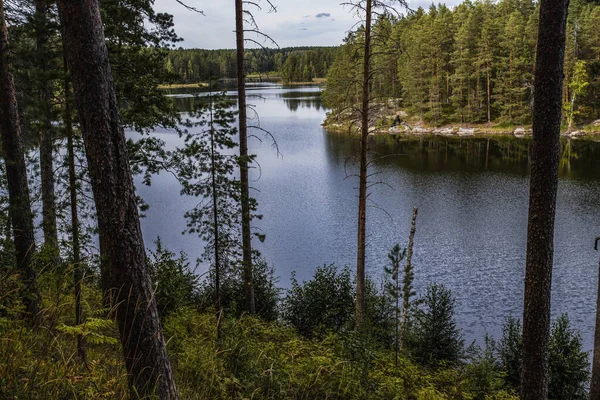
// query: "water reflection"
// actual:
[[580, 159], [294, 98]]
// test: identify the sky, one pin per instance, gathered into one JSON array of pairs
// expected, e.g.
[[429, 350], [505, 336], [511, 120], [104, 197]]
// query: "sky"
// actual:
[[296, 22]]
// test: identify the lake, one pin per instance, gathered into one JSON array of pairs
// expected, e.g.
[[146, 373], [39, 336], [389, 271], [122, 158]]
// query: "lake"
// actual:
[[472, 196]]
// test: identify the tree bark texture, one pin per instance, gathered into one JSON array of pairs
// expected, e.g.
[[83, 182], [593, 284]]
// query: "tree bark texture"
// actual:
[[547, 110], [16, 175], [362, 185], [125, 280], [75, 238], [244, 180]]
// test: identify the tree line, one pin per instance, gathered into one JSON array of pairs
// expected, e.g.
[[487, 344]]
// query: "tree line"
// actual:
[[292, 64], [474, 63]]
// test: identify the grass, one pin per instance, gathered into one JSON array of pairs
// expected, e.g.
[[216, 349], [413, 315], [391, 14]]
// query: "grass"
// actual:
[[254, 359]]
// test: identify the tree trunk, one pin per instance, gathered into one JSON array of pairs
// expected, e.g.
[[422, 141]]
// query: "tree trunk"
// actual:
[[244, 180], [542, 197], [45, 124], [595, 381], [362, 186], [215, 222], [125, 281], [16, 175], [406, 294], [75, 239]]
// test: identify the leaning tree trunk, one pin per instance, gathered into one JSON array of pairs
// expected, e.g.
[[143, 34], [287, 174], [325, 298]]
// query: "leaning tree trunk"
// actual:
[[244, 180], [16, 175], [362, 186], [125, 281], [547, 109], [45, 129]]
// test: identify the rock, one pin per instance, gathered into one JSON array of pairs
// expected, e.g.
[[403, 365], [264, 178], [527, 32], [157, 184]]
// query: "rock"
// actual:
[[596, 123], [444, 131], [419, 129], [466, 131], [576, 134]]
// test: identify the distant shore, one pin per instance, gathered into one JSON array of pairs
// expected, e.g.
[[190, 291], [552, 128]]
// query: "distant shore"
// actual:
[[277, 80]]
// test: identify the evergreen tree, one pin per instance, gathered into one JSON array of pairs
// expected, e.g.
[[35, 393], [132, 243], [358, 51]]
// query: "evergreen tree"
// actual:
[[434, 337]]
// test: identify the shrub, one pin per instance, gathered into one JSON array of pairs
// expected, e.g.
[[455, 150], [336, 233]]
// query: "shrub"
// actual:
[[324, 303], [175, 283], [434, 337], [568, 363], [266, 292]]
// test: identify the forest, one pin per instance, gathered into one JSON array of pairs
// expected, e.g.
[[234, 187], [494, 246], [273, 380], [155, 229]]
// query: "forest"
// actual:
[[301, 64], [89, 310], [474, 63]]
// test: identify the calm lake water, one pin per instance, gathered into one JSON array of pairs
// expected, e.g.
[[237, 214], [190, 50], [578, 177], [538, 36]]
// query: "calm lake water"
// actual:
[[472, 196]]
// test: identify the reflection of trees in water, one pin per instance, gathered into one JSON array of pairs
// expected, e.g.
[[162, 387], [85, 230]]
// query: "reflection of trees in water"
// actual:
[[294, 104], [580, 159]]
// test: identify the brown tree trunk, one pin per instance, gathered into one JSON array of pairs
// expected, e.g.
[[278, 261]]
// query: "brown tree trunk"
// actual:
[[16, 175], [45, 124], [595, 381], [125, 281], [542, 197], [75, 243], [362, 185], [244, 180]]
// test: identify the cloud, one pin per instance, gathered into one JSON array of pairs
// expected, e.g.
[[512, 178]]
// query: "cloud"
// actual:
[[323, 15]]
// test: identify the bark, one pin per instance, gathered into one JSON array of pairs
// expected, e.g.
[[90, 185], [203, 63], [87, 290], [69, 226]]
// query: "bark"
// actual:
[[542, 198], [406, 294], [362, 185], [45, 124], [244, 180], [16, 175], [75, 238], [595, 381], [125, 281]]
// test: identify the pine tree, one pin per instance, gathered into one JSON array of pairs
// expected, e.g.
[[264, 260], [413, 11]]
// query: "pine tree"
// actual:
[[16, 175]]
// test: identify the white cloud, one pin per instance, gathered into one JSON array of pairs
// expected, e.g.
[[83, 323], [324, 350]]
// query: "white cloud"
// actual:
[[296, 22]]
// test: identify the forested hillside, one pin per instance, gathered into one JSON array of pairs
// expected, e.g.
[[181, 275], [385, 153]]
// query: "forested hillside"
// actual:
[[292, 64], [473, 63]]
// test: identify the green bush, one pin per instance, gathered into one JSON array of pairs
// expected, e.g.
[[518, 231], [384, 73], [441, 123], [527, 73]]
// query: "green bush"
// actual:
[[266, 292], [568, 363], [434, 338], [324, 303], [175, 283]]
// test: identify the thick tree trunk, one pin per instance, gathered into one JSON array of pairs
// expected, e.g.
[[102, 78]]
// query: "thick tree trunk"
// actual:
[[16, 175], [125, 279], [75, 239], [595, 381], [542, 197], [45, 129], [362, 185], [244, 180]]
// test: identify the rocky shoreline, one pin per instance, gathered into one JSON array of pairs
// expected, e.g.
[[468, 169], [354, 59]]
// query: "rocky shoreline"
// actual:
[[405, 129]]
